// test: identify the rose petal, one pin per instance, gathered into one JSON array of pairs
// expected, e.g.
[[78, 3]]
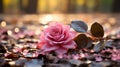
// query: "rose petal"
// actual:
[[67, 40], [98, 59], [61, 37], [40, 45], [42, 36], [73, 34], [70, 45], [52, 42], [61, 50], [47, 47], [54, 38], [53, 25], [66, 27]]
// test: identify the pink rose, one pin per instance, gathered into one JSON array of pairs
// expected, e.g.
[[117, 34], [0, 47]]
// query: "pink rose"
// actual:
[[57, 37]]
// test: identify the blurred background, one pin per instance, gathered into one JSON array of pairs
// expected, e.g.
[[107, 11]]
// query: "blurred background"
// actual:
[[36, 14], [58, 6]]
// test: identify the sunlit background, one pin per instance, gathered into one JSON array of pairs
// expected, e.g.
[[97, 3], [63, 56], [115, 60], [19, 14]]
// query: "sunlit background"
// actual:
[[58, 6], [36, 13]]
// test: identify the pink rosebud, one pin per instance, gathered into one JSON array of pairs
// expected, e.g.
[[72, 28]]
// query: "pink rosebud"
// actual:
[[57, 37]]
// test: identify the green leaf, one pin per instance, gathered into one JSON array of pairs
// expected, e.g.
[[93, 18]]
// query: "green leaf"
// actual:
[[79, 26], [97, 30]]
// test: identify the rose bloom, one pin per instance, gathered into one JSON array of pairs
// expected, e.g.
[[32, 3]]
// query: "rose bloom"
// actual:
[[57, 37]]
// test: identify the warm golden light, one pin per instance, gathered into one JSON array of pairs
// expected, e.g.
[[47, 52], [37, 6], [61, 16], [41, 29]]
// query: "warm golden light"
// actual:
[[9, 32], [45, 26], [16, 30], [112, 20], [12, 63], [107, 25], [37, 32], [46, 19], [3, 24]]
